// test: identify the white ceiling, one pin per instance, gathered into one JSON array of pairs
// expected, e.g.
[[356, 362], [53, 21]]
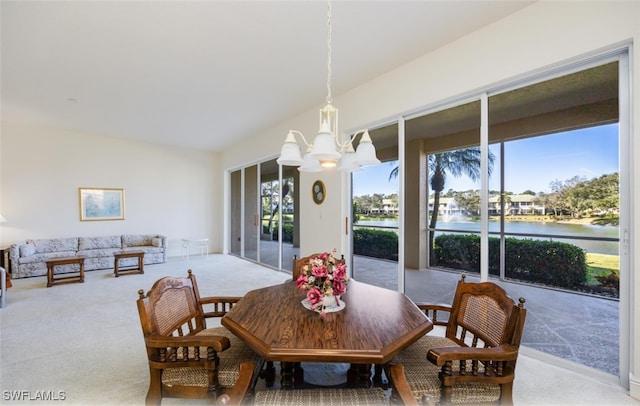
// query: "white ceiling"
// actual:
[[205, 74]]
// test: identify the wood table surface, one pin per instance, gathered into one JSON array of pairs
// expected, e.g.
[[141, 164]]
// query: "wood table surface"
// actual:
[[375, 325]]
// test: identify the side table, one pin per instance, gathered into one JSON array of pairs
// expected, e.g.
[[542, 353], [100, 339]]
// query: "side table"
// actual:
[[52, 263], [117, 269], [203, 244], [4, 252], [4, 259]]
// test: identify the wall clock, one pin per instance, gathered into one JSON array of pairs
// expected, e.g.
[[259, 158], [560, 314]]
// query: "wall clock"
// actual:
[[318, 192]]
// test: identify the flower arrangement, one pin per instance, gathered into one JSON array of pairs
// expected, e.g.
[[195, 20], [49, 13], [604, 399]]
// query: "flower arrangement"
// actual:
[[324, 276]]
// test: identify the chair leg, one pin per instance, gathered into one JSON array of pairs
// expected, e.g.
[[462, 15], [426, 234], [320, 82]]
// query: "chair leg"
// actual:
[[154, 395], [445, 394], [506, 394]]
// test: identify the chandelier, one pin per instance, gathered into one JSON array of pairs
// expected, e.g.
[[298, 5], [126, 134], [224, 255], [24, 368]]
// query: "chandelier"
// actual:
[[326, 150]]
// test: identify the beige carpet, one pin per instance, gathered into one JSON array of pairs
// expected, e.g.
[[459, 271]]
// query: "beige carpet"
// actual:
[[83, 341]]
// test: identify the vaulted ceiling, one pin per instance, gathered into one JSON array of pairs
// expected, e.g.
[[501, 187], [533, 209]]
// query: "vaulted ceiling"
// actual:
[[205, 74]]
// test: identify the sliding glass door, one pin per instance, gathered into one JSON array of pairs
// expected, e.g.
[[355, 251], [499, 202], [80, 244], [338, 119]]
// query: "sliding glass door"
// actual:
[[263, 226], [547, 222]]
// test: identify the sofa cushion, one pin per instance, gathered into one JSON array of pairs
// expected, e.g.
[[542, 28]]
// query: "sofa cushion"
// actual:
[[156, 242], [146, 250], [99, 253], [44, 256], [93, 243], [55, 245], [138, 240], [27, 249]]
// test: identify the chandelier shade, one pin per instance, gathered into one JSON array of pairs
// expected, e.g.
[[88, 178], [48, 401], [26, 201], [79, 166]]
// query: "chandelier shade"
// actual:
[[309, 164], [327, 150], [290, 153], [366, 152]]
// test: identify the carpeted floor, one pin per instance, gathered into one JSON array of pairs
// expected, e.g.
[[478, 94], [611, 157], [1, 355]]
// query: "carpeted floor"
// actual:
[[83, 343]]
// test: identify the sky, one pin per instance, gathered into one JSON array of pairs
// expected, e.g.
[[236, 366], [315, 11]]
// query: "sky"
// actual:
[[530, 164]]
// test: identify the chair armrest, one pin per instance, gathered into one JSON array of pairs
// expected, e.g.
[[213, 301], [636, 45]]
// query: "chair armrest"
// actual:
[[218, 343], [488, 365], [218, 306], [434, 310], [439, 356]]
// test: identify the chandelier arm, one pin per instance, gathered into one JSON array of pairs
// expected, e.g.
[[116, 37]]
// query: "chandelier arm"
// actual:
[[296, 132], [343, 146]]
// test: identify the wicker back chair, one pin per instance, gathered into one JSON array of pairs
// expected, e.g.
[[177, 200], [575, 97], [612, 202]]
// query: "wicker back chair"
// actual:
[[298, 263], [187, 359], [476, 359]]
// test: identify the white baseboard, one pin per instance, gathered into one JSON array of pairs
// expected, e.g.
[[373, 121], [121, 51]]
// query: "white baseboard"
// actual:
[[634, 387]]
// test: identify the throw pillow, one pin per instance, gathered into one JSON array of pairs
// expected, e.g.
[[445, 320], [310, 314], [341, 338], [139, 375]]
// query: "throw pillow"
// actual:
[[156, 242], [27, 249]]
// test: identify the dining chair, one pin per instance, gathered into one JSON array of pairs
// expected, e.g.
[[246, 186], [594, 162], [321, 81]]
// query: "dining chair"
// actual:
[[298, 263], [475, 361], [187, 359]]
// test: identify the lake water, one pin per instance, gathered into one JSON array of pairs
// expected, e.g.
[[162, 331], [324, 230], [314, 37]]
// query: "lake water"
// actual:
[[534, 229]]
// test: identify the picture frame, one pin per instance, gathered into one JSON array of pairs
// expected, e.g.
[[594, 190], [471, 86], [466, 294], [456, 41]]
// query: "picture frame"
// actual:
[[318, 192], [100, 204]]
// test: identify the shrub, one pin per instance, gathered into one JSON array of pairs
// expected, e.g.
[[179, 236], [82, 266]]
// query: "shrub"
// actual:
[[375, 243], [287, 232], [546, 262]]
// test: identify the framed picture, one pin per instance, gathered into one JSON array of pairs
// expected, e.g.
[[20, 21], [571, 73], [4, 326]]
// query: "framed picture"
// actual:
[[318, 192], [98, 204]]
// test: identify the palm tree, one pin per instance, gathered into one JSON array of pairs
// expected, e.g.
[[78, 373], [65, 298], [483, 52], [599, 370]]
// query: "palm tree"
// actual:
[[458, 162]]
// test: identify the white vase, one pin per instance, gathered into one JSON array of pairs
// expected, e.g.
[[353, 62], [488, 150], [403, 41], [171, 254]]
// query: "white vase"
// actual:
[[332, 303]]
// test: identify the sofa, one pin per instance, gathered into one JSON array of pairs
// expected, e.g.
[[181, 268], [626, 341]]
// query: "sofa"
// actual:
[[28, 258]]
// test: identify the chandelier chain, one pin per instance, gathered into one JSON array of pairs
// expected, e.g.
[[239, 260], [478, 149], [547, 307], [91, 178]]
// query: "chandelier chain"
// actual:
[[329, 98]]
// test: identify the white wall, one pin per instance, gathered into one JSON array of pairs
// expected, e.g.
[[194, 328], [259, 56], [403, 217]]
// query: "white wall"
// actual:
[[536, 38], [168, 190], [545, 35]]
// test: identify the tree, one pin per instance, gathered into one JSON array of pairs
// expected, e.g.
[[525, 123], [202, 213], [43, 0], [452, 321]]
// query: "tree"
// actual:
[[458, 162], [469, 202]]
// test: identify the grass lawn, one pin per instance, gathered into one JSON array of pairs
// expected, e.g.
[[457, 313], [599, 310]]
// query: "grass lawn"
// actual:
[[601, 265]]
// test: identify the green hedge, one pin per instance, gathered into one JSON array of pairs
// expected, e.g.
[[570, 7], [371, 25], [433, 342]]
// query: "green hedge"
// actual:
[[547, 262], [375, 243], [287, 232]]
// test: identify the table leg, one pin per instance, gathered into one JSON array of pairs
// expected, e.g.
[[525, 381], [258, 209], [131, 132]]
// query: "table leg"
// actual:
[[269, 374], [298, 375], [359, 376], [49, 275], [377, 377], [286, 375]]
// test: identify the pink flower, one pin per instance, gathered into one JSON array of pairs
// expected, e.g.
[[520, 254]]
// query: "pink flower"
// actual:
[[339, 287], [314, 296], [319, 271], [340, 272], [302, 282]]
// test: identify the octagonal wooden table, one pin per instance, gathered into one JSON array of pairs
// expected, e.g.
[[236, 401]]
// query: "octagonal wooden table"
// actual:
[[375, 326]]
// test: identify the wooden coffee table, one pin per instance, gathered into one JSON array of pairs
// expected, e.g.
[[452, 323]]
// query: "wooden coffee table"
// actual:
[[52, 279], [117, 269]]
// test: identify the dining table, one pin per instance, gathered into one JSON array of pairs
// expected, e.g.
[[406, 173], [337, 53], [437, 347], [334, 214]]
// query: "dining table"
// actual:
[[371, 329]]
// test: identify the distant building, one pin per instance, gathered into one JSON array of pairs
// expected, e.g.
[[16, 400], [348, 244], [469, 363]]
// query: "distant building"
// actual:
[[514, 205]]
